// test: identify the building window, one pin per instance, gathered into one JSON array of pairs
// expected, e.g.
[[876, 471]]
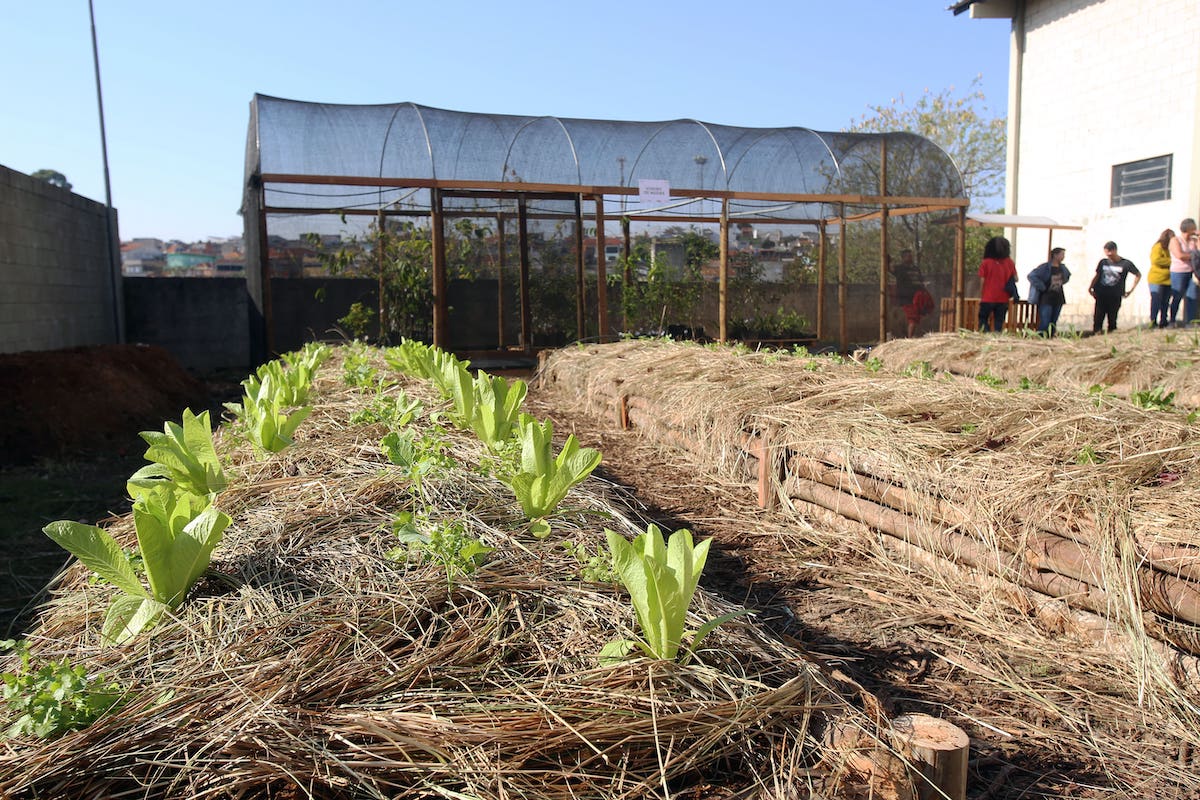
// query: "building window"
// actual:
[[1145, 181]]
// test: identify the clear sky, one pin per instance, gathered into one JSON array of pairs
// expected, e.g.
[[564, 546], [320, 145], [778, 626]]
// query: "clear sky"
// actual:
[[177, 77]]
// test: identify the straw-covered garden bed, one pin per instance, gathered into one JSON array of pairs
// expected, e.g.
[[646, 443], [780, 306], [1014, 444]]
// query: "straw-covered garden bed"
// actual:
[[1052, 529], [313, 660], [1138, 362]]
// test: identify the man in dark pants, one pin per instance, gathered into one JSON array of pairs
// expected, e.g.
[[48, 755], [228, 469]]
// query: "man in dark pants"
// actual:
[[1108, 286]]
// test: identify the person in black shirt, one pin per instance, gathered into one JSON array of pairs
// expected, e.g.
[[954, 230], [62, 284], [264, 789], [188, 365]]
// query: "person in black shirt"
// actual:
[[1108, 286]]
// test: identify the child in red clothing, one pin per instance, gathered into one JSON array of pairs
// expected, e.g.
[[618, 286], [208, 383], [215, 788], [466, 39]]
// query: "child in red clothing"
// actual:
[[996, 270]]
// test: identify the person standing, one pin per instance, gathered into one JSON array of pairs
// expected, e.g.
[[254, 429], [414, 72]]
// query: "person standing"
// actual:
[[1108, 286], [996, 270], [915, 300], [1046, 291], [1182, 286], [1158, 278]]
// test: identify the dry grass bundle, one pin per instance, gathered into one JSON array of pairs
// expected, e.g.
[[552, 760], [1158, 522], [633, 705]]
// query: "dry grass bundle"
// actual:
[[312, 664], [1124, 362], [1020, 507]]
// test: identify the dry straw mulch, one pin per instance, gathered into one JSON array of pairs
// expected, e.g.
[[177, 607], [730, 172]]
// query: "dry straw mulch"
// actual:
[[1123, 362], [1042, 520], [313, 665]]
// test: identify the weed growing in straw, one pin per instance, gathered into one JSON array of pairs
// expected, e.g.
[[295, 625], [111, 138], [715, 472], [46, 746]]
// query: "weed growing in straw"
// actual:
[[55, 697]]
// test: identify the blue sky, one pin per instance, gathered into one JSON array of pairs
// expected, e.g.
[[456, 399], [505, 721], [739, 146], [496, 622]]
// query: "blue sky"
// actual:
[[178, 77]]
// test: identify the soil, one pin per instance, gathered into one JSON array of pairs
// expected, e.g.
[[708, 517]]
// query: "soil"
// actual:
[[69, 421]]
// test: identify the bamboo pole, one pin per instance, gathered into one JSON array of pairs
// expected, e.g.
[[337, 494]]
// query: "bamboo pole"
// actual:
[[380, 247]]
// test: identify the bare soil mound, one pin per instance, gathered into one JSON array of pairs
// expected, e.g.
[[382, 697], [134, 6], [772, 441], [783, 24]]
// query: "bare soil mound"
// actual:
[[88, 399]]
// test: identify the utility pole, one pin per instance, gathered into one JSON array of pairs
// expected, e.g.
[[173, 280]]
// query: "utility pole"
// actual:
[[114, 268]]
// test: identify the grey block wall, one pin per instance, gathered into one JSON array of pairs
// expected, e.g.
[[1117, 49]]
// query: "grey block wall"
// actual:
[[201, 321], [56, 283]]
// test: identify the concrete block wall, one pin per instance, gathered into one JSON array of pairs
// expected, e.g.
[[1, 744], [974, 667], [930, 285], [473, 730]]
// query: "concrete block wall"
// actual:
[[203, 322], [56, 285], [1105, 82]]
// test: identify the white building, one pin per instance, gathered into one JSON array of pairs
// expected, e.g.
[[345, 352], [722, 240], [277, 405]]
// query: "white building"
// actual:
[[1102, 130]]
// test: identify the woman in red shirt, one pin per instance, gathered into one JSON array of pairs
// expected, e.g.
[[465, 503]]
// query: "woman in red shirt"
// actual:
[[996, 270]]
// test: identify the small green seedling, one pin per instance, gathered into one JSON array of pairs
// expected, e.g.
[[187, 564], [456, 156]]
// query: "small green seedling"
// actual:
[[49, 700], [544, 479], [447, 544], [661, 579]]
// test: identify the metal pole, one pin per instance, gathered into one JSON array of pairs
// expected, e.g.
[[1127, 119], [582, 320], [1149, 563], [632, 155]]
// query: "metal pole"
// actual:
[[109, 228], [723, 293]]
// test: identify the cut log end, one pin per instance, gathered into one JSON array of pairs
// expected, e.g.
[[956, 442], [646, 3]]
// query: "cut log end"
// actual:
[[938, 752]]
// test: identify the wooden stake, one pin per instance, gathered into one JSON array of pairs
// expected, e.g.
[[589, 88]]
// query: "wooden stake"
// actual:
[[938, 754]]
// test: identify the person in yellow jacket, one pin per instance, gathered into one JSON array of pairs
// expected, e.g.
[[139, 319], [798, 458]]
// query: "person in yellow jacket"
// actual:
[[1159, 278]]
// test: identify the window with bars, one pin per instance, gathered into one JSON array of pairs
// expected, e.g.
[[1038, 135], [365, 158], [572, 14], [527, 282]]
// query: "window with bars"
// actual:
[[1145, 181]]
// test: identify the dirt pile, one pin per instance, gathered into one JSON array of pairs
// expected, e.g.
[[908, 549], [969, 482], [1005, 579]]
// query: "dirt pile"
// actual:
[[89, 399]]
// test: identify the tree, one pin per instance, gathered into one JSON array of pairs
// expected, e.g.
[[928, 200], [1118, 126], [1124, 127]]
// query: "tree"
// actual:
[[964, 126], [52, 177], [969, 132]]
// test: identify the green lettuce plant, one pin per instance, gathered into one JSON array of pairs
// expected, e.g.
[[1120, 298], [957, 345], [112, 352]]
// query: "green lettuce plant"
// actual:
[[497, 408], [269, 426], [543, 479], [661, 579], [183, 454], [412, 358], [177, 532]]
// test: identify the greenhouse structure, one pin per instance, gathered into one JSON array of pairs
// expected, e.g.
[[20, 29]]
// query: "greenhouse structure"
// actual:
[[522, 181]]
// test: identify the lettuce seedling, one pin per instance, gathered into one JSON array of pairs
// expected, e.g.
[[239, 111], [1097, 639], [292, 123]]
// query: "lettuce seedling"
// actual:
[[177, 532], [661, 580], [412, 358], [544, 479], [183, 454], [49, 699], [497, 406], [268, 426]]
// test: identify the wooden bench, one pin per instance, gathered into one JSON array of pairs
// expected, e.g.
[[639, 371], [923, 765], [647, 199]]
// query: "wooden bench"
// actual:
[[1021, 315]]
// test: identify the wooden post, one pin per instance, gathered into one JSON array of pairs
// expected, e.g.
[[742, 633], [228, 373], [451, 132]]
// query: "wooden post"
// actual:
[[380, 247], [762, 451], [501, 253], [723, 295], [601, 271], [264, 266], [937, 753], [883, 243], [438, 242], [623, 412], [821, 280], [523, 247], [843, 336], [580, 285], [627, 251], [959, 321]]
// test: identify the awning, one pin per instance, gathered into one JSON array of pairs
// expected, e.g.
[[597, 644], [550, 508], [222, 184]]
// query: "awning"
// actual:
[[1018, 221]]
